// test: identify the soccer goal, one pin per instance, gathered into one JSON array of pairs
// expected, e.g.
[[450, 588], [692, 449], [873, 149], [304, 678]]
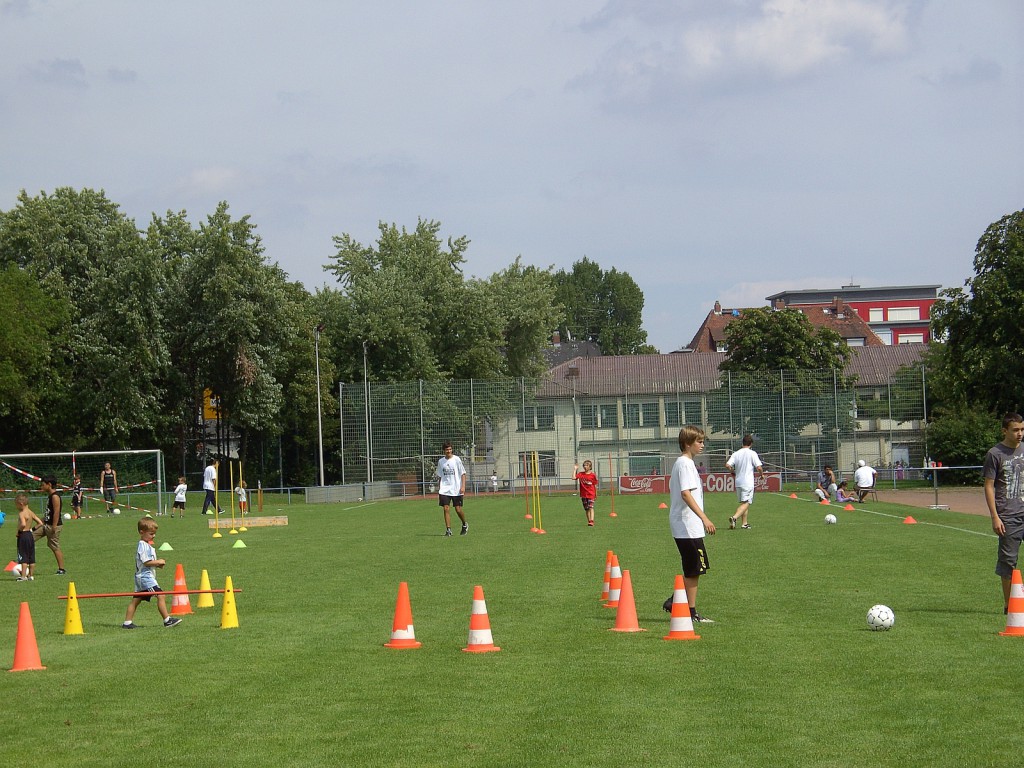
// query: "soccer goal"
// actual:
[[140, 478]]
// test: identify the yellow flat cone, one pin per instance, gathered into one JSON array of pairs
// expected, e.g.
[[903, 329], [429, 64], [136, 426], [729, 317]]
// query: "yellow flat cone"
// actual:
[[238, 545]]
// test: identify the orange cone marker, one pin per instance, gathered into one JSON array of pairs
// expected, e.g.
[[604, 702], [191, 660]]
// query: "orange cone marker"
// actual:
[[793, 496], [402, 633], [1015, 609], [614, 584], [824, 501], [180, 605], [26, 652], [607, 574], [848, 507], [908, 520], [480, 640], [681, 625], [663, 505], [625, 616]]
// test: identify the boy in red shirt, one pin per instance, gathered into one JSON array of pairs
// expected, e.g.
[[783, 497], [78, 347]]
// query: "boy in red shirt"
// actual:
[[588, 488]]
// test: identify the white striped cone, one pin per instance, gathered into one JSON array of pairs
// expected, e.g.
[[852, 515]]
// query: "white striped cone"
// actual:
[[1015, 608], [480, 640], [615, 584], [607, 575], [180, 606], [681, 625]]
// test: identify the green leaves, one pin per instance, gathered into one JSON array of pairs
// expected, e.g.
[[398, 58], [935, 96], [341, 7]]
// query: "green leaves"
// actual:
[[603, 307]]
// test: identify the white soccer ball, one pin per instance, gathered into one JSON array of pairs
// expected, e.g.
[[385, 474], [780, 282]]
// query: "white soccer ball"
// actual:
[[117, 511], [360, 498], [16, 570], [67, 515], [830, 520], [881, 617]]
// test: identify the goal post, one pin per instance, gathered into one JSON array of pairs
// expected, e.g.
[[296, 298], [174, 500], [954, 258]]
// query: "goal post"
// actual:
[[140, 477]]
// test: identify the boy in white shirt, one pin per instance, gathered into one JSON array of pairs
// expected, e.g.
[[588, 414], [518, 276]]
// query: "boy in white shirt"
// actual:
[[179, 497]]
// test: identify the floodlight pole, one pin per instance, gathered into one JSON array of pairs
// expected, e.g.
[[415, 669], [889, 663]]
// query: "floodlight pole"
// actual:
[[366, 403], [319, 407]]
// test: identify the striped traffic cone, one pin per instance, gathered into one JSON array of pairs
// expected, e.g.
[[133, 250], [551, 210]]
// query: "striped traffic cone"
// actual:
[[1015, 608], [625, 616], [402, 633], [480, 640], [681, 625], [614, 584], [180, 605], [607, 575]]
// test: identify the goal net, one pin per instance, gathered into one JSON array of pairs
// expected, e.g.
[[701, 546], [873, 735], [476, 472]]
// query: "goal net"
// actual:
[[140, 478]]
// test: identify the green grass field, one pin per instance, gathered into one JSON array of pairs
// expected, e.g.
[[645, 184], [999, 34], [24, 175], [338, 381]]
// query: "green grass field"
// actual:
[[788, 675]]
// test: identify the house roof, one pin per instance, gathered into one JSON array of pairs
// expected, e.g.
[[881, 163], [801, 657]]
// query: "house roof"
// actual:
[[856, 293], [698, 371], [836, 316]]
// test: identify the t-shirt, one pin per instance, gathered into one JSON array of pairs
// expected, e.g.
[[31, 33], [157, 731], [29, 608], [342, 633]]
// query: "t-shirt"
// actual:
[[743, 463], [681, 519], [145, 576], [210, 478], [1006, 467], [588, 485], [864, 477], [179, 492], [450, 471]]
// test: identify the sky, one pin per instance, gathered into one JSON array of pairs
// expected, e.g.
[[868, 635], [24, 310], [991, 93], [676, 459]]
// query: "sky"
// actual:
[[713, 150]]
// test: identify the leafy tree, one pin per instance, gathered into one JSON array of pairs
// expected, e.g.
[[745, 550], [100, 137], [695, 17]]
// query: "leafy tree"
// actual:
[[960, 437], [603, 307], [524, 298], [108, 353], [766, 339], [982, 327]]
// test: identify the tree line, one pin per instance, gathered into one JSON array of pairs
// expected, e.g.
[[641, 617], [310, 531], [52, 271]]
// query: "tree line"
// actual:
[[114, 335]]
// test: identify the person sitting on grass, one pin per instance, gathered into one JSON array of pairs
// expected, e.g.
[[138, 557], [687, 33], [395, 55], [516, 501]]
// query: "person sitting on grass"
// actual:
[[842, 494], [145, 578]]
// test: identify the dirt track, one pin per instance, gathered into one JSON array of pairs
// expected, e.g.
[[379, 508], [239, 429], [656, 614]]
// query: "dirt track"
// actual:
[[970, 501]]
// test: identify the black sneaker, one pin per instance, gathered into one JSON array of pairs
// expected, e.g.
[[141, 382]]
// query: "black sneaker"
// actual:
[[172, 621], [732, 523], [447, 531], [667, 605], [696, 618], [129, 625], [61, 572], [465, 529]]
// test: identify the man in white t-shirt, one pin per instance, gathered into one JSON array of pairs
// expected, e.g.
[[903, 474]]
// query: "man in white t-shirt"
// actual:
[[210, 486], [864, 479], [742, 465], [451, 487]]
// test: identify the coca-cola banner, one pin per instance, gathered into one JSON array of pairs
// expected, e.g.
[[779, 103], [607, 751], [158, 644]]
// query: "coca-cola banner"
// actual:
[[714, 482]]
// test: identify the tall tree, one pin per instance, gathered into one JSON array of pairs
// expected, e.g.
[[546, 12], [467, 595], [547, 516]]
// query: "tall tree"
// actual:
[[602, 307], [983, 327]]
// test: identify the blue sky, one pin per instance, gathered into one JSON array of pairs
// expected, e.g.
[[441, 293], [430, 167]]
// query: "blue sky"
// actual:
[[713, 150]]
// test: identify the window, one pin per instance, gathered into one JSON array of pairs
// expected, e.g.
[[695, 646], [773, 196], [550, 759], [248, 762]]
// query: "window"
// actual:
[[539, 418], [644, 463], [721, 346], [609, 416], [855, 341], [673, 414], [904, 313], [911, 338], [876, 315], [649, 414], [588, 417], [885, 336], [684, 411], [545, 463], [631, 414]]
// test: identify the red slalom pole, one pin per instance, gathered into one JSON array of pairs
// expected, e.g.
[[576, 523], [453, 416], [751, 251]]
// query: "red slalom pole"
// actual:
[[143, 594]]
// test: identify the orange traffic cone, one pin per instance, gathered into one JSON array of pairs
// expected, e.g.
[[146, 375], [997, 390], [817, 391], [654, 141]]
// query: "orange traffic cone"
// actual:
[[10, 566], [180, 605], [402, 633], [607, 575], [823, 501], [1015, 609], [480, 640], [625, 616], [26, 652], [848, 507], [681, 625], [614, 584], [908, 520], [663, 505]]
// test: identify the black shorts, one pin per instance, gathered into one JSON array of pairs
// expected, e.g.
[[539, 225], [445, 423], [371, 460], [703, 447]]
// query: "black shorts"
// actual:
[[694, 557], [444, 501], [150, 597], [178, 505], [26, 547]]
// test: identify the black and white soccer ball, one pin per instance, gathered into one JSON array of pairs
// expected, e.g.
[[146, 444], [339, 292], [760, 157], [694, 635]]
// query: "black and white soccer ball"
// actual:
[[881, 618]]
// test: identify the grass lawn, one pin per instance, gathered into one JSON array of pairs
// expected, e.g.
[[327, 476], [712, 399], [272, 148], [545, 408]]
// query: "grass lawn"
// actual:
[[788, 675]]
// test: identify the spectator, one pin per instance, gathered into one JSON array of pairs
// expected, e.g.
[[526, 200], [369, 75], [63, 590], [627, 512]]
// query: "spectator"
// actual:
[[864, 479]]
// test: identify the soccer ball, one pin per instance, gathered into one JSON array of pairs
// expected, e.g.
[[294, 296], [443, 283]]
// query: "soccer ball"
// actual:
[[360, 498], [67, 515], [117, 511], [881, 617], [16, 570], [830, 520]]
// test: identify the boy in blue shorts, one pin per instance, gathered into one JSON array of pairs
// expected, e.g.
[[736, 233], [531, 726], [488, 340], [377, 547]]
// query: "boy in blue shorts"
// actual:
[[687, 519], [146, 562]]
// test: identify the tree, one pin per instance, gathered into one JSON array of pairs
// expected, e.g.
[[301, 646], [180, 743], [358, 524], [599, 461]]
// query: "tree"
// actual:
[[982, 328], [766, 339], [603, 307], [960, 437]]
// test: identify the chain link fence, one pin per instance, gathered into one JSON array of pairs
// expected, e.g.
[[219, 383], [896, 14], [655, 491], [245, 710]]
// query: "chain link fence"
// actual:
[[391, 433]]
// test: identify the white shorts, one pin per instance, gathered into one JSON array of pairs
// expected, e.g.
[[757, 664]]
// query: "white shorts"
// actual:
[[745, 495]]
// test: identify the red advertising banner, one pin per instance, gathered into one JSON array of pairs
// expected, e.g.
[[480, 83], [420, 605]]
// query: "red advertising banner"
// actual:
[[714, 482]]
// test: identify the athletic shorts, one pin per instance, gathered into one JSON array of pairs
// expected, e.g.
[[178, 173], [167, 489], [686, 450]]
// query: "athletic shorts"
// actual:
[[109, 494], [1009, 547], [52, 534], [693, 556], [148, 589], [745, 495], [178, 505], [588, 504], [26, 548], [444, 501]]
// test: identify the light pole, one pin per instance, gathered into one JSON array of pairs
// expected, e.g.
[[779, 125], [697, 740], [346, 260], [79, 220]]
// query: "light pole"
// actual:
[[366, 403], [319, 407]]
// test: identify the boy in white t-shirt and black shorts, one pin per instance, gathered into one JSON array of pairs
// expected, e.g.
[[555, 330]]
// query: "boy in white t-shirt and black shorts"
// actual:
[[452, 487]]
